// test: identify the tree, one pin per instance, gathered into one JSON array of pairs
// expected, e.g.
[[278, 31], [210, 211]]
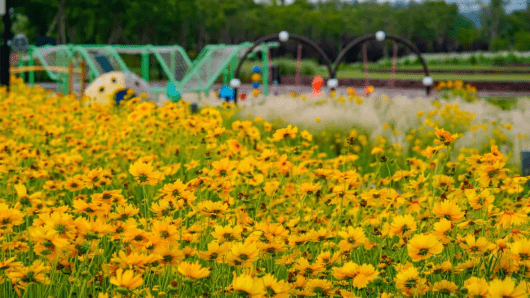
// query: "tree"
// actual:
[[467, 37], [491, 17]]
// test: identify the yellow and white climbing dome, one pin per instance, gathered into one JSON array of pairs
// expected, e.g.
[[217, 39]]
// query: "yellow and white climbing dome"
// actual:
[[113, 86]]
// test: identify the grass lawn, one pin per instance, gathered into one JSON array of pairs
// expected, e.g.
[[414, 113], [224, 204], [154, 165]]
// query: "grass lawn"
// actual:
[[358, 74], [451, 67], [505, 102]]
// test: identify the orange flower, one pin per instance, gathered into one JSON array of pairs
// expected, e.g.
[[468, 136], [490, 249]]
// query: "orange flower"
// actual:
[[444, 137]]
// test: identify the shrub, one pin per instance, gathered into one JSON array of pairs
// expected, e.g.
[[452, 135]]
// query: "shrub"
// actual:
[[498, 44], [522, 41], [499, 59], [286, 67], [512, 58], [308, 68]]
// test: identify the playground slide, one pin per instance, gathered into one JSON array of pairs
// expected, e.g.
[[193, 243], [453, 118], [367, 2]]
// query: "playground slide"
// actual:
[[212, 62]]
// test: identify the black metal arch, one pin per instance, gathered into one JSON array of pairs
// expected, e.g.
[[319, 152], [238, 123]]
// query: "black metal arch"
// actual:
[[371, 37], [276, 37]]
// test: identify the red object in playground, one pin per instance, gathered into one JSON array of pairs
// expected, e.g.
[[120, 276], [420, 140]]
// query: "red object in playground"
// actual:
[[317, 85], [242, 96]]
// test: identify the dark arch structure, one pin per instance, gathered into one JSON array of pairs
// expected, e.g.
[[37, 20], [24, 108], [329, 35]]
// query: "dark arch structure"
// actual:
[[276, 37], [367, 38]]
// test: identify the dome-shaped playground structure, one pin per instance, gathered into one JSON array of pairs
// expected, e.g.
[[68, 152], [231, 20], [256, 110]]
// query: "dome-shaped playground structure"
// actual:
[[114, 86]]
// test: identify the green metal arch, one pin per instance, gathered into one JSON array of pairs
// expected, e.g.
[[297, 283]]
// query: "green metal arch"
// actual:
[[93, 70], [36, 51], [152, 49]]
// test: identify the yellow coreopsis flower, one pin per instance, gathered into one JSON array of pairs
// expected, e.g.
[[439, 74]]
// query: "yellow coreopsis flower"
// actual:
[[477, 287], [377, 150], [145, 174], [126, 279], [506, 289], [403, 225], [410, 283], [242, 254], [353, 237], [193, 270], [473, 245], [444, 137], [445, 287], [422, 247], [222, 168], [278, 289], [448, 210], [280, 134], [521, 250], [248, 286]]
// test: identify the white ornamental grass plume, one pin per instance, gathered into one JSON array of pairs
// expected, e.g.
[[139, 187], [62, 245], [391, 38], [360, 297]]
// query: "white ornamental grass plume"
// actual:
[[400, 112], [519, 118]]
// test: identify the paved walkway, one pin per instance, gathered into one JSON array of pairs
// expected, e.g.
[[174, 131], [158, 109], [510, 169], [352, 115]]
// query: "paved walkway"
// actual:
[[285, 89]]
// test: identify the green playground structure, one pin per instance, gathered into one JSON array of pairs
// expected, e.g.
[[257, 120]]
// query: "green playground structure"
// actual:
[[190, 76], [215, 60]]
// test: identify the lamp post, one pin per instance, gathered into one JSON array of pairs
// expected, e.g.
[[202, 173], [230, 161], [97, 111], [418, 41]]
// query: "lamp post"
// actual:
[[5, 6]]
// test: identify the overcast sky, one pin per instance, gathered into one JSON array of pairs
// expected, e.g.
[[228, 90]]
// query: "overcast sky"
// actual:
[[464, 5]]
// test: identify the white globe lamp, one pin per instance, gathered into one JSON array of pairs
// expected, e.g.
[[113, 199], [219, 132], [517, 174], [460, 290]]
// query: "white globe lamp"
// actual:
[[235, 83], [380, 35], [333, 83], [427, 81], [284, 36]]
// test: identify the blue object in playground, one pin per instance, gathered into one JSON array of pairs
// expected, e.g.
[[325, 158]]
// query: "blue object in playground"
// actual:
[[104, 63], [44, 40], [256, 69], [120, 95], [255, 85], [172, 92], [194, 107], [525, 164], [227, 93]]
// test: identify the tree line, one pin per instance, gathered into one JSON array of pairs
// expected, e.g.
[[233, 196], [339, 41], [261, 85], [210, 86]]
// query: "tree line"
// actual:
[[433, 26]]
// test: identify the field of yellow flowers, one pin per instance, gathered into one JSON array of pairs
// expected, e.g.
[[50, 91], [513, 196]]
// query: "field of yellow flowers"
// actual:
[[147, 201]]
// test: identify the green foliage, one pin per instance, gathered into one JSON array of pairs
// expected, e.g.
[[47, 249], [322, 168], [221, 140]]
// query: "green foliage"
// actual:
[[512, 58], [499, 59], [503, 103], [231, 22], [467, 36], [309, 68], [175, 21], [472, 60], [522, 41], [343, 66], [499, 44]]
